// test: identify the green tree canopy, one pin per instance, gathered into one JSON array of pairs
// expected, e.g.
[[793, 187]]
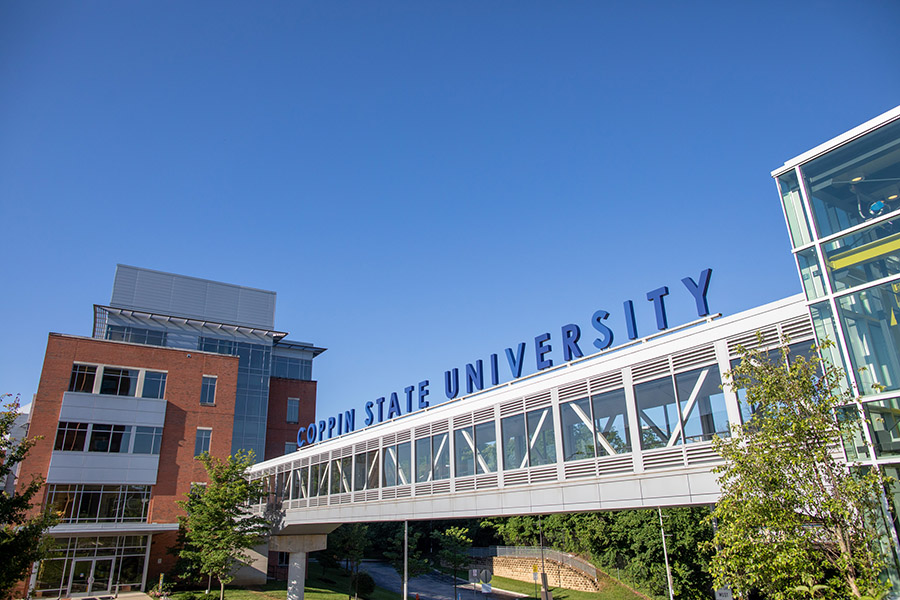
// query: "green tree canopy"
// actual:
[[791, 509], [454, 549], [416, 564], [21, 535], [219, 528]]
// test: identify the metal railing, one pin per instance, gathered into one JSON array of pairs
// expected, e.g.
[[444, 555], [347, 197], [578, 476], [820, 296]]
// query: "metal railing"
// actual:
[[569, 560]]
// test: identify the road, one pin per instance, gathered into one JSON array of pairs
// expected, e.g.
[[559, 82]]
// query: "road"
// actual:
[[433, 586]]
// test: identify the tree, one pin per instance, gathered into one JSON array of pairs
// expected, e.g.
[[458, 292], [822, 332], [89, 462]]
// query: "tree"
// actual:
[[219, 528], [791, 511], [416, 564], [349, 543], [455, 543], [21, 535]]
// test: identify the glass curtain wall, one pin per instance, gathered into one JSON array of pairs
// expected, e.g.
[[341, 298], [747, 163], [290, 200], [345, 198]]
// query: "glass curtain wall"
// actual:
[[842, 208]]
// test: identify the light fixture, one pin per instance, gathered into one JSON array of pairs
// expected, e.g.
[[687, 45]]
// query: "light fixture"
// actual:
[[892, 197], [876, 208], [856, 179]]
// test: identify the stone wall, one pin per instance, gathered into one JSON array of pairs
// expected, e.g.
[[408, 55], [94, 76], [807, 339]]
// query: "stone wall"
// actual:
[[521, 569]]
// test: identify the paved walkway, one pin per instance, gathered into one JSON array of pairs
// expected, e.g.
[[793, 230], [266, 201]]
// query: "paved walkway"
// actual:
[[432, 586]]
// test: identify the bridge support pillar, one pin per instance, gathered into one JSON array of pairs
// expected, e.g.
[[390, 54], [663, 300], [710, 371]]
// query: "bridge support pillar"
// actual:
[[298, 546]]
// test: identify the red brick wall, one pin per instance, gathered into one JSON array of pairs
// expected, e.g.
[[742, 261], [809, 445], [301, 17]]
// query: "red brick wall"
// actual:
[[177, 467], [278, 430]]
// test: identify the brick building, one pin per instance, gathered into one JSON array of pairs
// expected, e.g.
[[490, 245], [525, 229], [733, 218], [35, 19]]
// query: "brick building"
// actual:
[[176, 365]]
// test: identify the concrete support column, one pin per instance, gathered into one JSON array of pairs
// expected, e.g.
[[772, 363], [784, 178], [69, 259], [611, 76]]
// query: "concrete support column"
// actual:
[[298, 546], [296, 576]]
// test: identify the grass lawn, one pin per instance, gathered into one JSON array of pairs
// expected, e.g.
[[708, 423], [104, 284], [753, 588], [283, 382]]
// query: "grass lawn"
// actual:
[[331, 584]]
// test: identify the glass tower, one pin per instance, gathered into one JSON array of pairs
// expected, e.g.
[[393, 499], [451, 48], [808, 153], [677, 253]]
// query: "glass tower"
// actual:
[[841, 202]]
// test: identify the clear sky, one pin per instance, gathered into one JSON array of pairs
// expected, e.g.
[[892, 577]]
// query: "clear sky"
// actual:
[[423, 183]]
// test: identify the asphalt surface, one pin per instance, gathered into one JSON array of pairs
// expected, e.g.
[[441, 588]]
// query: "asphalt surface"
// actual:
[[433, 586]]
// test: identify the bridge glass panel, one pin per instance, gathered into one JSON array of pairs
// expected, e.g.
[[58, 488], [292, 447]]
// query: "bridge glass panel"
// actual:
[[515, 442], [372, 469], [486, 448], [360, 472], [404, 463], [423, 459], [541, 437], [657, 414], [884, 417], [577, 430], [702, 404], [464, 451], [440, 448], [611, 423], [397, 465], [389, 471]]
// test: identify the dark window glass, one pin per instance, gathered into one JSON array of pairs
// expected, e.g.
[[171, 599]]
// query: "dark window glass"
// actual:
[[154, 385], [119, 382], [71, 436], [208, 390], [82, 378], [147, 440], [100, 436], [293, 410], [201, 444]]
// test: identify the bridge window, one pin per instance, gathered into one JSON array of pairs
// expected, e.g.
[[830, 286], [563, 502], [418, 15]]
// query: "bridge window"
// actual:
[[577, 430], [341, 472], [515, 442], [658, 414], [397, 465], [318, 479], [475, 449], [433, 458], [528, 439], [702, 404], [464, 452], [299, 483], [611, 423], [365, 476], [486, 448], [541, 438]]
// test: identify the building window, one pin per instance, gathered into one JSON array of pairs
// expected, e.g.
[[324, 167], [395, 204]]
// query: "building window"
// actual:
[[99, 503], [136, 335], [119, 382], [290, 447], [109, 438], [208, 390], [82, 378], [283, 559], [147, 440], [201, 445], [293, 410], [154, 385], [71, 436], [292, 368]]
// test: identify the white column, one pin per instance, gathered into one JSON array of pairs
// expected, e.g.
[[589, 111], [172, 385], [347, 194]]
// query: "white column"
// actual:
[[296, 575]]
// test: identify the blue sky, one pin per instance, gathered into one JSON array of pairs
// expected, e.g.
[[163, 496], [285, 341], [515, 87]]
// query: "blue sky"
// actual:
[[423, 183]]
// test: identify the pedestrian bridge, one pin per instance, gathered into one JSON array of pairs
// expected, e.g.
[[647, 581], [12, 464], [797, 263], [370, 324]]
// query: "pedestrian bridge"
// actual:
[[630, 427]]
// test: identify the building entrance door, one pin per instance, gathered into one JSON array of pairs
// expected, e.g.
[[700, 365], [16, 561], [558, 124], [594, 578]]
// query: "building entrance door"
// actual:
[[90, 576]]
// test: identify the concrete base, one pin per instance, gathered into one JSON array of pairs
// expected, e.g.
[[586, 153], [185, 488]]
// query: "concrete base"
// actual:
[[255, 572], [298, 546]]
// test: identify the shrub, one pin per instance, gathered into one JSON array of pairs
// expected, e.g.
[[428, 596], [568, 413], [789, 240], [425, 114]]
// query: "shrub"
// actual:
[[364, 584]]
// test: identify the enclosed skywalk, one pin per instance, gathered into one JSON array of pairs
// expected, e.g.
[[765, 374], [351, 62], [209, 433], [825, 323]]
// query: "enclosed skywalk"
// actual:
[[627, 428]]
